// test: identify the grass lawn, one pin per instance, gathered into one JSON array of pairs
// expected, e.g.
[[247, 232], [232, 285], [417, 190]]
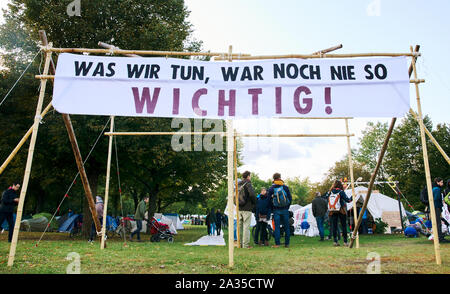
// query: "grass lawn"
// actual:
[[306, 255]]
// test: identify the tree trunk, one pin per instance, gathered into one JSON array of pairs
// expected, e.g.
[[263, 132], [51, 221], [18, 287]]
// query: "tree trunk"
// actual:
[[152, 202], [135, 198]]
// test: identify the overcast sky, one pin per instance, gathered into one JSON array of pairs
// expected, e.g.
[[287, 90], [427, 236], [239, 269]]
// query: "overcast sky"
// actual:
[[264, 27]]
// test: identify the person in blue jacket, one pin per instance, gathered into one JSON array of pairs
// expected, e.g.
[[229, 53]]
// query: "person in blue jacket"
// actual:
[[340, 215], [262, 215], [280, 213]]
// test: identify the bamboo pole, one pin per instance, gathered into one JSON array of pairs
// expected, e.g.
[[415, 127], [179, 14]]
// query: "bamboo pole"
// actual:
[[140, 52], [238, 229], [26, 178], [380, 159], [224, 134], [352, 179], [229, 124], [372, 180], [314, 56], [22, 141], [427, 170], [431, 137], [108, 176], [324, 51]]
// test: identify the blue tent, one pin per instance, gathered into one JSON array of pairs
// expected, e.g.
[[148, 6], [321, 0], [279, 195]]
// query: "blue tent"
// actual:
[[68, 225], [5, 223]]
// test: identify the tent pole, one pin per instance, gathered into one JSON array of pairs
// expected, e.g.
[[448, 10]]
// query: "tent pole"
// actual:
[[427, 170], [372, 180], [350, 164], [229, 123], [26, 177], [108, 176], [22, 141]]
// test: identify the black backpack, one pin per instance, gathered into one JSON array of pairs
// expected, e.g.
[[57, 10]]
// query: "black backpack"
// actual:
[[424, 196]]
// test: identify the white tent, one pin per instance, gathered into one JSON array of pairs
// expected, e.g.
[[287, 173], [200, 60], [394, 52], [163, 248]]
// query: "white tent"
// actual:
[[294, 207], [175, 220], [379, 206]]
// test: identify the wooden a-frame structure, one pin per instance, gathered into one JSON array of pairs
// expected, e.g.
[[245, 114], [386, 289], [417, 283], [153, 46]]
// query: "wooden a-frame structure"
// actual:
[[230, 134]]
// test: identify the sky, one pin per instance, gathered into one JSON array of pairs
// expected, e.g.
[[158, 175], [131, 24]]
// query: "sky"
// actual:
[[265, 27]]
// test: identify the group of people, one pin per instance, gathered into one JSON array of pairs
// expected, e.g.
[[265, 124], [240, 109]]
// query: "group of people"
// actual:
[[272, 202], [214, 222]]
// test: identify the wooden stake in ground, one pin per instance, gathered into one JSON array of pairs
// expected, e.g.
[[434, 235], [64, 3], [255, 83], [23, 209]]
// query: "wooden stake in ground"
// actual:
[[229, 123], [26, 177], [108, 176], [352, 179], [427, 170]]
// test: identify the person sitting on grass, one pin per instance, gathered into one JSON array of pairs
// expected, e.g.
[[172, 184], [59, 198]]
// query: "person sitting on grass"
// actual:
[[337, 206]]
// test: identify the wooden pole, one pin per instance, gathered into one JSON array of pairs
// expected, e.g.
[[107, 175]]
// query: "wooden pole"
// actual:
[[229, 124], [380, 159], [238, 229], [225, 134], [26, 178], [73, 141], [431, 137], [427, 171], [308, 56], [22, 141], [352, 179], [372, 180], [108, 176]]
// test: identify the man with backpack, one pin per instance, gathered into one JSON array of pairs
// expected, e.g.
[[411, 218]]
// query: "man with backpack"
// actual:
[[7, 205], [247, 202], [280, 201]]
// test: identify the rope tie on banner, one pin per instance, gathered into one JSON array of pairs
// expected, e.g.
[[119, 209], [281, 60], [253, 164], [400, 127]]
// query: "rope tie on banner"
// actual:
[[66, 195]]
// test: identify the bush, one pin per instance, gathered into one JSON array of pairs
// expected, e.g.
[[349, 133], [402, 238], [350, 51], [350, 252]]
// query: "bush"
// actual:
[[380, 226]]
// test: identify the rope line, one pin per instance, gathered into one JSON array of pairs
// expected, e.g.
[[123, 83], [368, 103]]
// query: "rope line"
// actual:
[[12, 88], [66, 195]]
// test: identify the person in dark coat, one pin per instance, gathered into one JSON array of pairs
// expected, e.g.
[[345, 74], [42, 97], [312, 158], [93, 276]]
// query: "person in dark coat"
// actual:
[[319, 208], [245, 210], [340, 215], [262, 215], [219, 219], [8, 203]]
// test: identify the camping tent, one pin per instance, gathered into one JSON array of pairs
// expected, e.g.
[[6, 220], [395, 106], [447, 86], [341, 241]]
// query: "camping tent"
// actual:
[[68, 225], [294, 207], [379, 206], [175, 220], [37, 224]]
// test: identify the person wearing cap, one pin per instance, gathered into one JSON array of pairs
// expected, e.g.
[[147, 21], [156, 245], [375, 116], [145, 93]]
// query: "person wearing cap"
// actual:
[[99, 209]]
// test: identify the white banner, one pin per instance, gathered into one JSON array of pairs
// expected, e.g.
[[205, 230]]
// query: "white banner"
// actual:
[[169, 87]]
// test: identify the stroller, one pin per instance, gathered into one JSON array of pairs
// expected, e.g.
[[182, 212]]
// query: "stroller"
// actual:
[[159, 231]]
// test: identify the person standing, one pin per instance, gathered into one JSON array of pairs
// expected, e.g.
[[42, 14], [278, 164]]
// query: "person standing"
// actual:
[[280, 199], [212, 222], [99, 209], [138, 217], [262, 215], [437, 198], [7, 205], [219, 218], [247, 202], [319, 208], [337, 207]]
